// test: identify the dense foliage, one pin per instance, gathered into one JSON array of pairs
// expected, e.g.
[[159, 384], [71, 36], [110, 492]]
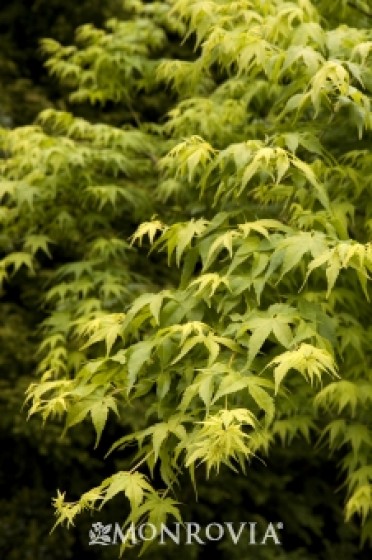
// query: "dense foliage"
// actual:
[[25, 88], [199, 271]]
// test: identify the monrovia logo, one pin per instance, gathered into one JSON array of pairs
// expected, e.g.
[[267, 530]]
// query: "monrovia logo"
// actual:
[[185, 533]]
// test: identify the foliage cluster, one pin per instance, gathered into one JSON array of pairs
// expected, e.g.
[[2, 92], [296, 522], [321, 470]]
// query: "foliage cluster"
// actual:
[[249, 331]]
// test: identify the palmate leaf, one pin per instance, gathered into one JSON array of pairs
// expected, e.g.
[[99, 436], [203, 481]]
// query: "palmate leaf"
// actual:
[[107, 329], [177, 238], [137, 356], [262, 397], [360, 477], [208, 284], [99, 413], [212, 343], [341, 394], [133, 484], [344, 255], [360, 502], [203, 386], [147, 228], [192, 153], [145, 307], [35, 243], [277, 320], [231, 383], [110, 194], [234, 382], [310, 361], [288, 428], [290, 251], [263, 227], [14, 261], [221, 439]]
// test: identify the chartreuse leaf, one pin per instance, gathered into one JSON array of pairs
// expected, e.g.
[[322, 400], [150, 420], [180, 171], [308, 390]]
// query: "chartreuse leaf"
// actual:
[[310, 361], [138, 355], [132, 484], [147, 228], [221, 439], [99, 413]]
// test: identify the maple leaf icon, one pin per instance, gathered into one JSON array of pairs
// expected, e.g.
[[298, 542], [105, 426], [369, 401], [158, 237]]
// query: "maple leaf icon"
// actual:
[[99, 534]]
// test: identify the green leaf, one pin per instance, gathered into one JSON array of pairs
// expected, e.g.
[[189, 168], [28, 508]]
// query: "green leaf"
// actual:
[[138, 355], [99, 413]]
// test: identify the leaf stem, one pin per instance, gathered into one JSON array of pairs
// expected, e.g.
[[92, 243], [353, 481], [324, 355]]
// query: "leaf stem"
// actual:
[[141, 461]]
